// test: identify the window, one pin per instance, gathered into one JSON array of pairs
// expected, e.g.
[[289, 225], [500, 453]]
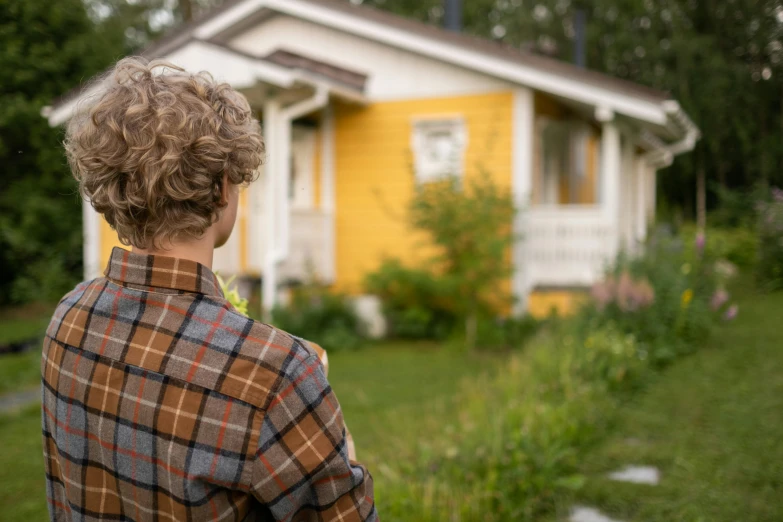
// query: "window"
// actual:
[[438, 148], [567, 163]]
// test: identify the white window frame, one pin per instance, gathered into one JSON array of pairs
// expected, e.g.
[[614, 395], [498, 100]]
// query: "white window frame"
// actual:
[[428, 169]]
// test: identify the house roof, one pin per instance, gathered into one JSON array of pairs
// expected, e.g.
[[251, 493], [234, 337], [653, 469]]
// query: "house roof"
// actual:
[[494, 59]]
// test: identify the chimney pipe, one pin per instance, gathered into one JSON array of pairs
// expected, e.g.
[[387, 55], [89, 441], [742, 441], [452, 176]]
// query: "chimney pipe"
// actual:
[[580, 37], [452, 15]]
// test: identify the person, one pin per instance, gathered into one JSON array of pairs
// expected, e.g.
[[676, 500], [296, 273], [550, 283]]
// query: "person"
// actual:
[[160, 400]]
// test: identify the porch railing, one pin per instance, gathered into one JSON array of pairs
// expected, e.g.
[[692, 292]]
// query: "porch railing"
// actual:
[[308, 249], [566, 245]]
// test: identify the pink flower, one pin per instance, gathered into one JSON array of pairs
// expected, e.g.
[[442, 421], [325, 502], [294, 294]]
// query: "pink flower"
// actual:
[[603, 292], [719, 298], [731, 313], [625, 292], [777, 194], [701, 241]]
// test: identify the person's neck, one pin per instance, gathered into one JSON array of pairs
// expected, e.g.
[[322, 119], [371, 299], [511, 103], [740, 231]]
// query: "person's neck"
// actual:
[[199, 250]]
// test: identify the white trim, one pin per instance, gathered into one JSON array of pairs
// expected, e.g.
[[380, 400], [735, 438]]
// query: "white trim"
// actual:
[[610, 179], [626, 201], [328, 190], [238, 70], [521, 186], [547, 81], [228, 18], [422, 127], [91, 249], [269, 274], [640, 173], [283, 165]]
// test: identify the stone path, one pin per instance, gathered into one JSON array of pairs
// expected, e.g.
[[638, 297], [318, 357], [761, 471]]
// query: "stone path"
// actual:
[[16, 401], [647, 475]]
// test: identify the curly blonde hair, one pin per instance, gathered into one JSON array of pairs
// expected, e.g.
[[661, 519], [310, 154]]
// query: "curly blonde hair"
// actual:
[[151, 153]]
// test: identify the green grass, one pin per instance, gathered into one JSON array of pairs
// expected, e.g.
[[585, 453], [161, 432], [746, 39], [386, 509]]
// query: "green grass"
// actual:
[[21, 371], [22, 485], [712, 424], [395, 397], [24, 323], [390, 394]]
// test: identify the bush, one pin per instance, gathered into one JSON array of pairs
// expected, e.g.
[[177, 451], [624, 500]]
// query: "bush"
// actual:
[[769, 271], [415, 302], [324, 317], [666, 298], [516, 448], [738, 245], [464, 280]]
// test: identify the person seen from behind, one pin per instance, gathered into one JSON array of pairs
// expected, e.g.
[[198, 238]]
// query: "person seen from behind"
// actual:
[[160, 400]]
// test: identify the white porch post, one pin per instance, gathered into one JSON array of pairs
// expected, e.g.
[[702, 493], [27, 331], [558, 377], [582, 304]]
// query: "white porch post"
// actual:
[[627, 194], [269, 285], [640, 177], [522, 184], [328, 191], [610, 174], [652, 187], [91, 247]]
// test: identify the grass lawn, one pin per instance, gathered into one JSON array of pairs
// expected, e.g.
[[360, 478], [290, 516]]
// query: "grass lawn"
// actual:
[[22, 371], [391, 394], [712, 424]]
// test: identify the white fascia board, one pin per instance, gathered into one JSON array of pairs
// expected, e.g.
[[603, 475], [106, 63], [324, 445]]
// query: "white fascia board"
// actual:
[[528, 76], [228, 18], [237, 70]]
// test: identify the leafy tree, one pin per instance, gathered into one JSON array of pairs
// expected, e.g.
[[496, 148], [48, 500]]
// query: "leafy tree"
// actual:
[[46, 48]]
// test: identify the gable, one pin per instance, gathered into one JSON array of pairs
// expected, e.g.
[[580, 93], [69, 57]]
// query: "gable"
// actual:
[[392, 74]]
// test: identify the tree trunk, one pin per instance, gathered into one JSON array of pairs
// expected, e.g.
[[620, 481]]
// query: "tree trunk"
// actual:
[[186, 10]]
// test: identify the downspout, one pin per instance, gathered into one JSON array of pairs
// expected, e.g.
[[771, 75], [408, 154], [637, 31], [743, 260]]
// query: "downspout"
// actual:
[[286, 117], [692, 132], [278, 122]]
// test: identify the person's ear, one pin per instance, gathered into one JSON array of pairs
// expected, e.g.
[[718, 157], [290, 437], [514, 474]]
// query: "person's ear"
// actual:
[[224, 188]]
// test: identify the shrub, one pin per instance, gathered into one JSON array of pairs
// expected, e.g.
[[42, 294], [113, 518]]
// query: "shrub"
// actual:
[[516, 447], [470, 230], [769, 271], [415, 302], [738, 245], [318, 314], [664, 297]]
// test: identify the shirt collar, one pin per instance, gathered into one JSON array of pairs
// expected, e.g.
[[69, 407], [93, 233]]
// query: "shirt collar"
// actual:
[[161, 272]]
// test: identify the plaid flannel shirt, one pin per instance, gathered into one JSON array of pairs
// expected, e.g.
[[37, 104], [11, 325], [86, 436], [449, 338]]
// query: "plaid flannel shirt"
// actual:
[[162, 402]]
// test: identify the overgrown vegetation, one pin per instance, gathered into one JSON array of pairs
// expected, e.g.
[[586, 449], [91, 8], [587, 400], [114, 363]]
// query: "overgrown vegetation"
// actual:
[[515, 449], [321, 315], [769, 272], [467, 226]]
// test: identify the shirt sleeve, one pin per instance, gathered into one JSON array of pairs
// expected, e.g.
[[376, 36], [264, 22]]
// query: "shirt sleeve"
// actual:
[[302, 471]]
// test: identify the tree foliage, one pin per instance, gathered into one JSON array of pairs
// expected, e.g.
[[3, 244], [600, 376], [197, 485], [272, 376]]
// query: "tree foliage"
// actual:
[[46, 48]]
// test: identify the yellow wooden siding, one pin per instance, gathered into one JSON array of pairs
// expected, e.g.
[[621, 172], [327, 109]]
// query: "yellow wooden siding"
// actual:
[[317, 162], [241, 228], [542, 303], [108, 237], [108, 240], [374, 173]]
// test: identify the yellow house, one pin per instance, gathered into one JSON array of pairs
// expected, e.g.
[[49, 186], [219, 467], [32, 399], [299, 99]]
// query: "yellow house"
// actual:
[[359, 105]]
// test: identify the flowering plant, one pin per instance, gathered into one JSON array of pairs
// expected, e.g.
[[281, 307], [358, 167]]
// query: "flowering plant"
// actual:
[[232, 294]]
